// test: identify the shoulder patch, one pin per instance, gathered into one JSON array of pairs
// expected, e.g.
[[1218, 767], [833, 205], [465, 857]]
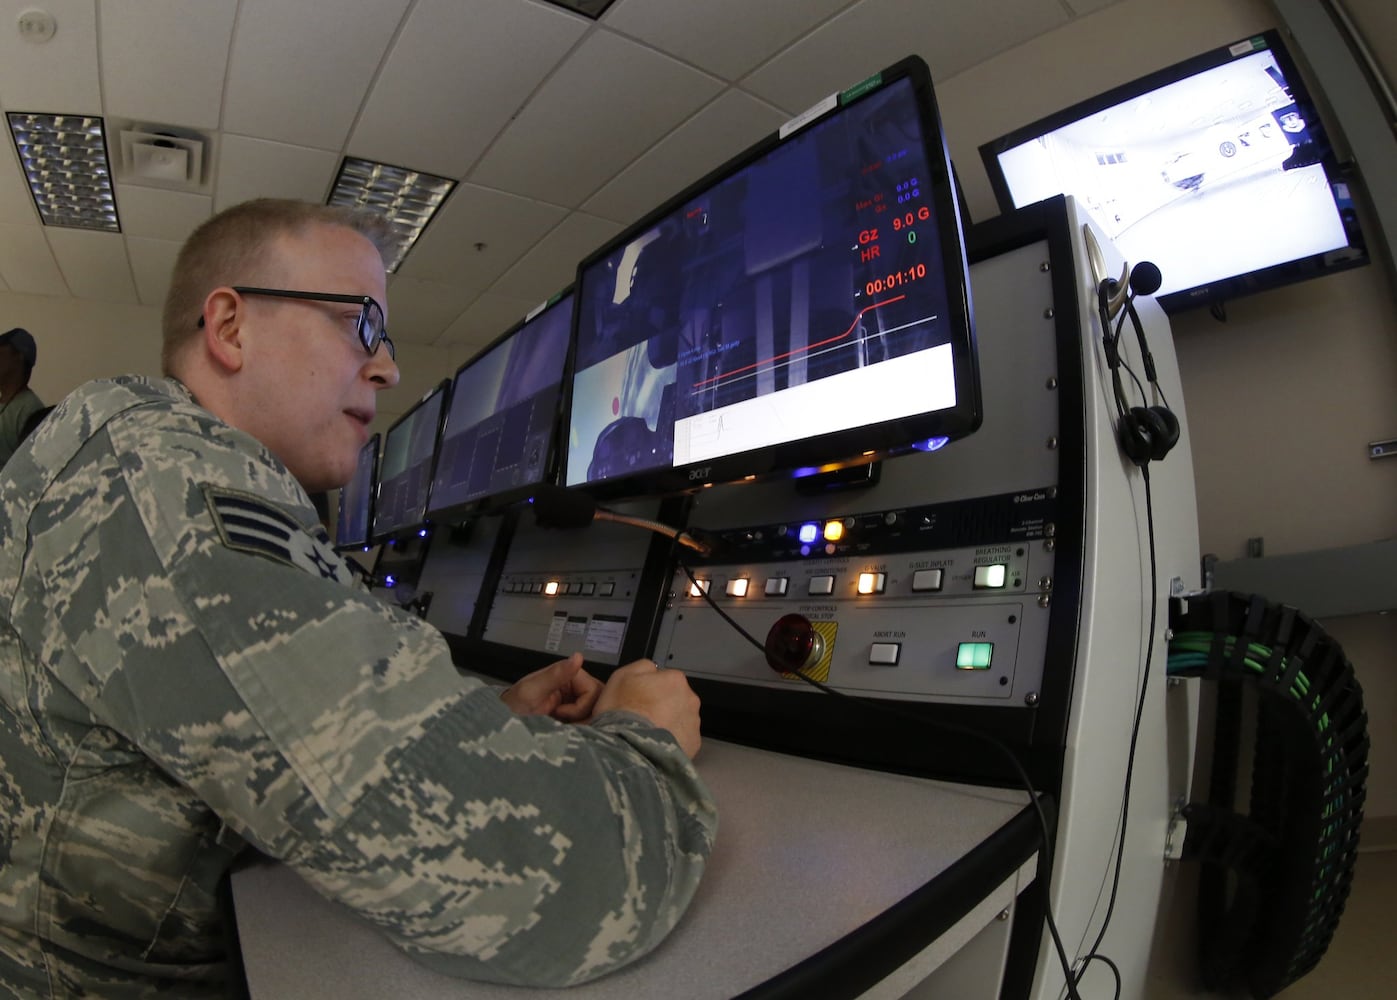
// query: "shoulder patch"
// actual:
[[248, 523]]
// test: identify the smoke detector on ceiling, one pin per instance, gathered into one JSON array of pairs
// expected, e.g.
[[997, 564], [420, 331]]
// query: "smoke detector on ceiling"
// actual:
[[36, 26]]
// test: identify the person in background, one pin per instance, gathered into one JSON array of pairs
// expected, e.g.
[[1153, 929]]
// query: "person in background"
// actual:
[[18, 353], [188, 671]]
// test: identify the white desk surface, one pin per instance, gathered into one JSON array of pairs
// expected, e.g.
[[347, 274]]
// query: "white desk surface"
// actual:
[[807, 852]]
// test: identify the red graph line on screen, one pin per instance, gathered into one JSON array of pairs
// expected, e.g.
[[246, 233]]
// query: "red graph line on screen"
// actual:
[[808, 347]]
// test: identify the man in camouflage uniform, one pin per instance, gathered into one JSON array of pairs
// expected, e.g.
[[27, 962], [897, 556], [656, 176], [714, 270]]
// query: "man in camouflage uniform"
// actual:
[[187, 668]]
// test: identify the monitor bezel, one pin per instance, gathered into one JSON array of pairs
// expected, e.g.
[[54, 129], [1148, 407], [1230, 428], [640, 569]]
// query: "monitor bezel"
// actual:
[[468, 510], [377, 536], [1228, 287], [375, 442], [839, 449]]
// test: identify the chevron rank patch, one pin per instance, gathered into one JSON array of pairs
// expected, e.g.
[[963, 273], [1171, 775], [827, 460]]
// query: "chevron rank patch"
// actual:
[[248, 523]]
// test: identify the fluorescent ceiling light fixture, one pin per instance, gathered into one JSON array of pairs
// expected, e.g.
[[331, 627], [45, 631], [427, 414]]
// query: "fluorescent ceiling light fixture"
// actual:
[[587, 8], [65, 159], [406, 198]]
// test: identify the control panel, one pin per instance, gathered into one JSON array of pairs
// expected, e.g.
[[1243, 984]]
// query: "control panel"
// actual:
[[906, 602], [567, 591], [456, 569]]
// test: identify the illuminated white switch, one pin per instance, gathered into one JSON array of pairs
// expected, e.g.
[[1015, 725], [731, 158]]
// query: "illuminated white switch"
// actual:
[[738, 587], [551, 588], [926, 579], [992, 576], [884, 654], [872, 583], [698, 588], [821, 585], [776, 586]]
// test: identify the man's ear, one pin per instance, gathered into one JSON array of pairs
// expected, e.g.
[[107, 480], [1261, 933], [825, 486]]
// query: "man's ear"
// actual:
[[224, 312]]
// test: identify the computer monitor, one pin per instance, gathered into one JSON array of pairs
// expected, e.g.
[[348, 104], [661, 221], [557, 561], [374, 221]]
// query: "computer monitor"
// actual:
[[499, 439], [355, 513], [405, 471], [802, 308], [1216, 169]]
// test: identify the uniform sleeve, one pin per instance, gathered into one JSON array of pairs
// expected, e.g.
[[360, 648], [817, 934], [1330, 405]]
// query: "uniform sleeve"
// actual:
[[333, 731]]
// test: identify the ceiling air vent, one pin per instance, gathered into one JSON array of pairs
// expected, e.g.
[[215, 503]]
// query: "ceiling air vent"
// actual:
[[167, 158]]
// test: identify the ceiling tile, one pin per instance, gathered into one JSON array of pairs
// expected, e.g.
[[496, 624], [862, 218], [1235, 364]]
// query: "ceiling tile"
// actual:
[[702, 33], [418, 311], [552, 265], [507, 224], [254, 168], [159, 214], [271, 59], [163, 61], [93, 264], [26, 262], [858, 43], [707, 140], [455, 76], [152, 261], [485, 319], [608, 102], [58, 76]]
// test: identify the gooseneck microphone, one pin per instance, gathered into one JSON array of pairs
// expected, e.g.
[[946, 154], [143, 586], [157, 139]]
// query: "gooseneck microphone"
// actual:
[[556, 507]]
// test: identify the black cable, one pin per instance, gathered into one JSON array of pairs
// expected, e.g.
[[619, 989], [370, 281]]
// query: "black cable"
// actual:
[[1092, 955], [950, 727]]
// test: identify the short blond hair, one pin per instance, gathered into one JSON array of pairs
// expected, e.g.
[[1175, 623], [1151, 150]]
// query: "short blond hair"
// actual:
[[233, 247]]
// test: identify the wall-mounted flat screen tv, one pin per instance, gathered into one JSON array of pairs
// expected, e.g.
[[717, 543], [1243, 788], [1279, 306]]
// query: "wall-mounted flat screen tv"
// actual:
[[1217, 169]]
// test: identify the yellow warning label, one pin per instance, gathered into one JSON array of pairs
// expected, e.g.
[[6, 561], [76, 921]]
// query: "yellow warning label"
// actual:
[[820, 671]]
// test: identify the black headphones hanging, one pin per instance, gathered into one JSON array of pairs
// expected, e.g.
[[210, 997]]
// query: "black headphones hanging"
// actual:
[[1146, 433]]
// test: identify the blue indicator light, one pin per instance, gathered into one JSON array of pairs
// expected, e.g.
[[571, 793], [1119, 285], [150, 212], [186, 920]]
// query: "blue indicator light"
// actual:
[[805, 470], [932, 444], [809, 532], [390, 580]]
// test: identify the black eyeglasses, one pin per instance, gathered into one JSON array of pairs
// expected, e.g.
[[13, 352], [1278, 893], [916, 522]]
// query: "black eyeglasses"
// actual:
[[369, 327]]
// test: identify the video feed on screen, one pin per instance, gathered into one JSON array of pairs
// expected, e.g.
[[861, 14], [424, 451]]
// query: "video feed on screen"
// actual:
[[405, 473], [803, 294], [356, 499], [1213, 175], [498, 436]]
